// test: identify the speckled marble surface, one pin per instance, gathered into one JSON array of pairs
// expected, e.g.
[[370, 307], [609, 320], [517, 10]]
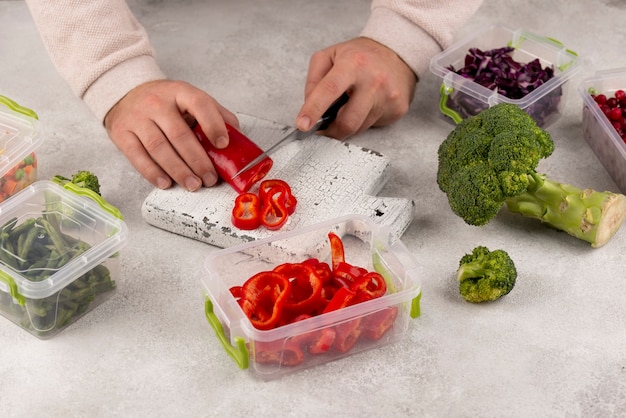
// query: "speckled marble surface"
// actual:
[[554, 347]]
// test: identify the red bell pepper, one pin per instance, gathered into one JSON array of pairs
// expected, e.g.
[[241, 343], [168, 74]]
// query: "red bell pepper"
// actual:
[[346, 335], [228, 161], [376, 324], [316, 342], [346, 274], [273, 210], [342, 298], [278, 352], [236, 292], [305, 288], [323, 269], [369, 286], [324, 339], [263, 297], [268, 186], [246, 213], [336, 250], [297, 291]]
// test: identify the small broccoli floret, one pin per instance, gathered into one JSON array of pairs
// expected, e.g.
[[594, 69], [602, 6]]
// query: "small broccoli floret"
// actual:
[[82, 178], [87, 179], [490, 160], [486, 275]]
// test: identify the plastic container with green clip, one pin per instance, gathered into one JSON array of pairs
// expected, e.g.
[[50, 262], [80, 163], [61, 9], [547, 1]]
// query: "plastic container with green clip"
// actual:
[[366, 244], [59, 255], [461, 97], [19, 138]]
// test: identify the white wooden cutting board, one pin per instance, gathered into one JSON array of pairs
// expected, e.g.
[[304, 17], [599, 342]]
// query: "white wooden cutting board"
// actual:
[[329, 178]]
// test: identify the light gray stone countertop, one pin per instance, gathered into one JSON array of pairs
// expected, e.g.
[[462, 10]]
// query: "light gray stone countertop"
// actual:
[[554, 347]]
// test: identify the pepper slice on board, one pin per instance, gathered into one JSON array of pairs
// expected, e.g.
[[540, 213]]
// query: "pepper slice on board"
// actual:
[[290, 200], [273, 210], [246, 213]]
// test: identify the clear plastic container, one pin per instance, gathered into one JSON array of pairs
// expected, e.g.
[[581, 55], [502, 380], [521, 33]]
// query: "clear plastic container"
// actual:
[[597, 130], [19, 138], [461, 97], [58, 255], [269, 354]]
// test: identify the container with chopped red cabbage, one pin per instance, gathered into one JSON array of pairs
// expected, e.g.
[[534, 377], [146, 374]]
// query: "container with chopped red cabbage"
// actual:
[[504, 65]]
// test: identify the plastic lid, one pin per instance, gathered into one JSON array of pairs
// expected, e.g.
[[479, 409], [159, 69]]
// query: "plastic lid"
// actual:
[[50, 236], [19, 133]]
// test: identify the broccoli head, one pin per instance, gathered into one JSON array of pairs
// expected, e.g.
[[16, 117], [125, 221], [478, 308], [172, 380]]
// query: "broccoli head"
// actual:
[[490, 160], [83, 178], [486, 275]]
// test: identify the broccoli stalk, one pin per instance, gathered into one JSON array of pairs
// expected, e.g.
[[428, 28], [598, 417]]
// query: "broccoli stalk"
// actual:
[[490, 160], [586, 214], [486, 275]]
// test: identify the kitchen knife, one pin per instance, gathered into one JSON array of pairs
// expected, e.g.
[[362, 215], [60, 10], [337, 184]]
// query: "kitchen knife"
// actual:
[[327, 118]]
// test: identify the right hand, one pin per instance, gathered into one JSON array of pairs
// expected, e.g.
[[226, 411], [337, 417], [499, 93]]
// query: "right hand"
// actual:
[[150, 126]]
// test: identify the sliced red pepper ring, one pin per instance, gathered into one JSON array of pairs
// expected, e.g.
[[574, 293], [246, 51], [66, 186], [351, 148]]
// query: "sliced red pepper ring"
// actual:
[[263, 297], [273, 211], [323, 269], [369, 286], [290, 200], [316, 342], [280, 352], [346, 335], [376, 324], [235, 291], [305, 287], [336, 250], [342, 298], [246, 213], [346, 274], [324, 339]]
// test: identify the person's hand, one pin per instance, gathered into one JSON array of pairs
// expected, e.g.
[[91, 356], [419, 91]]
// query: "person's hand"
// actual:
[[150, 126], [380, 85]]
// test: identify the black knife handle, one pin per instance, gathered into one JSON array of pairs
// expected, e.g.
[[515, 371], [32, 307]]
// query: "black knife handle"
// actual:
[[331, 114]]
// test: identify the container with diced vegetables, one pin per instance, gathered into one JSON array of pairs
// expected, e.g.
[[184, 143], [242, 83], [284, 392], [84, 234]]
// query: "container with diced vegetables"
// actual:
[[604, 120], [306, 297], [58, 256], [19, 138], [502, 64]]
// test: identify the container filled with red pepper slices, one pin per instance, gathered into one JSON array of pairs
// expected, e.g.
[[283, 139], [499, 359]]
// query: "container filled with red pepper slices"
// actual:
[[309, 296], [19, 138]]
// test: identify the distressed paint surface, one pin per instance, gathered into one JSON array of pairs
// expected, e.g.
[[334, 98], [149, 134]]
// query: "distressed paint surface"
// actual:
[[329, 178]]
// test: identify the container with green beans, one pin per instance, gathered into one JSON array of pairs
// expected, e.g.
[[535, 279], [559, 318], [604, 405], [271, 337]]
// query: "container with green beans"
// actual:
[[59, 257]]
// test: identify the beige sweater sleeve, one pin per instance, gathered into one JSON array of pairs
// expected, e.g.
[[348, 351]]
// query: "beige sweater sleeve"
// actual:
[[97, 46], [103, 52], [417, 29]]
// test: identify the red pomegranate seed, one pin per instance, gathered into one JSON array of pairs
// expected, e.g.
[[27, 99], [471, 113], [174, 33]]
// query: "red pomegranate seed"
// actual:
[[600, 99], [615, 114]]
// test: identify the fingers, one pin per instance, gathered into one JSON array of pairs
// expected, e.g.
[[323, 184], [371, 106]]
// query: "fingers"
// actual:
[[379, 83], [151, 127]]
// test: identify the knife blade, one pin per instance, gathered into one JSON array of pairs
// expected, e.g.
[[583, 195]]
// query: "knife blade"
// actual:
[[327, 118]]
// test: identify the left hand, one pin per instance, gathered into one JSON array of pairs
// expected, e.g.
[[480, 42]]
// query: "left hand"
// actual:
[[380, 85]]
